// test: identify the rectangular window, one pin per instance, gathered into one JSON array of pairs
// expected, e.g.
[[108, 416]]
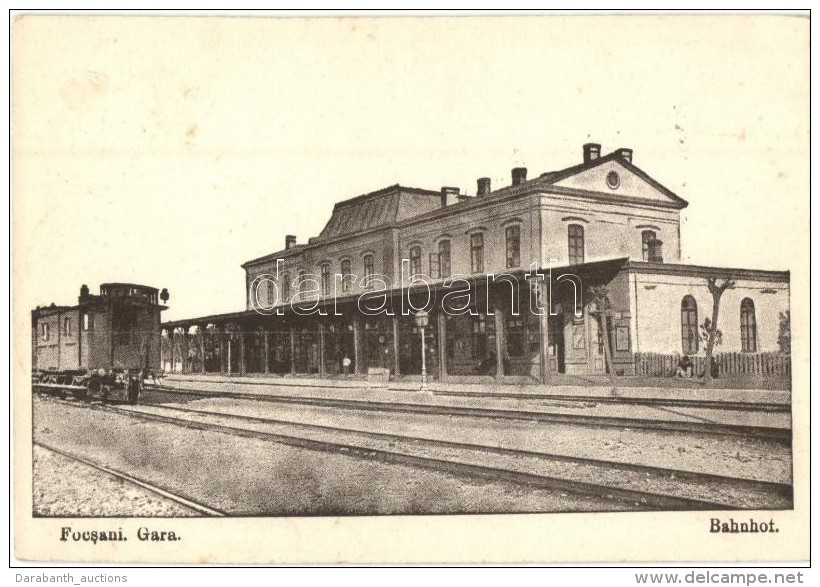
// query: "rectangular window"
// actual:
[[647, 236], [513, 237], [477, 252], [286, 287], [67, 326], [44, 332], [656, 251], [368, 269], [86, 322], [302, 285], [415, 261], [444, 259], [325, 280], [651, 247], [346, 275], [435, 267], [575, 237]]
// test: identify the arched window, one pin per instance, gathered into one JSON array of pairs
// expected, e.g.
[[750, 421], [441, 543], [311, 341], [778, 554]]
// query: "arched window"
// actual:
[[689, 325], [302, 285], [444, 258], [477, 252], [368, 268], [575, 238], [513, 239], [345, 275], [748, 326], [326, 279], [270, 292], [286, 287], [647, 236], [415, 260]]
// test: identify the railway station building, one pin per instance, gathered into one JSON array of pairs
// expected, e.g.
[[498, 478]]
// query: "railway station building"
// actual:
[[504, 277]]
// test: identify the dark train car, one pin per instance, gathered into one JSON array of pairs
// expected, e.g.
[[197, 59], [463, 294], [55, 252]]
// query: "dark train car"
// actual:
[[101, 344]]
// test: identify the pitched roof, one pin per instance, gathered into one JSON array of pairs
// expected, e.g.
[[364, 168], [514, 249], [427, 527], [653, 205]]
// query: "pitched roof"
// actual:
[[556, 176], [396, 203], [383, 207], [379, 208]]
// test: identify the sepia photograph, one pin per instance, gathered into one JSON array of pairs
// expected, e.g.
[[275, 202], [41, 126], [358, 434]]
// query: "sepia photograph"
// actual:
[[410, 289]]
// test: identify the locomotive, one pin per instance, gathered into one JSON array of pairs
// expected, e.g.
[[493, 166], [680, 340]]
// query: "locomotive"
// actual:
[[101, 348]]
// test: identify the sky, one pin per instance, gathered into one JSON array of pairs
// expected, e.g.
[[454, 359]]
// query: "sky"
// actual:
[[168, 151]]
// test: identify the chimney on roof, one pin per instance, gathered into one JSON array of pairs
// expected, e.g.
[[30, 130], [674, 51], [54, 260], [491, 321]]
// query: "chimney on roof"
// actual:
[[290, 241], [483, 187], [519, 175], [449, 196], [591, 152], [625, 154]]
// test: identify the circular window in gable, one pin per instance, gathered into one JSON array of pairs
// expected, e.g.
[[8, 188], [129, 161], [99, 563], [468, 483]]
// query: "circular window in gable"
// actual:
[[613, 180]]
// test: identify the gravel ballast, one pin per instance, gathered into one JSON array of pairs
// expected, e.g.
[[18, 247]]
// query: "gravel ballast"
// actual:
[[65, 487], [736, 456], [247, 476], [712, 491]]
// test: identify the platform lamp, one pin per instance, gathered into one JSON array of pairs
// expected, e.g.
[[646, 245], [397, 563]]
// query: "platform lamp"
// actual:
[[422, 320], [163, 295]]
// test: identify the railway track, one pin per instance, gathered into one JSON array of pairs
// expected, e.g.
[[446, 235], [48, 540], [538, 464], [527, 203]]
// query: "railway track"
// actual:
[[162, 492], [766, 432], [634, 401], [674, 489], [638, 401]]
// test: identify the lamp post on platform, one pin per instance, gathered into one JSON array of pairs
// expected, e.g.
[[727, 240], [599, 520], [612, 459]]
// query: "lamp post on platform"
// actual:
[[422, 319]]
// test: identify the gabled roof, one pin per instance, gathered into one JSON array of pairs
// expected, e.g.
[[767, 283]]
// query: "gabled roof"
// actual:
[[549, 183], [554, 177], [379, 208]]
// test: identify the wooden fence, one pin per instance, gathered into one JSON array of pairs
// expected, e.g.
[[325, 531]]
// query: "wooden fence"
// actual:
[[760, 364]]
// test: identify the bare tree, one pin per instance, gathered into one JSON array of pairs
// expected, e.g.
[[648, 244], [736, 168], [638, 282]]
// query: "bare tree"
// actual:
[[600, 297], [716, 288]]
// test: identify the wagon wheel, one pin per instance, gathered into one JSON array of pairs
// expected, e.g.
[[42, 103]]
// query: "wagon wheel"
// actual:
[[83, 394], [93, 388], [134, 391]]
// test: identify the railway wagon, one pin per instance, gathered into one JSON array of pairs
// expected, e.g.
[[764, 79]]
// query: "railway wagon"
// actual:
[[100, 347]]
